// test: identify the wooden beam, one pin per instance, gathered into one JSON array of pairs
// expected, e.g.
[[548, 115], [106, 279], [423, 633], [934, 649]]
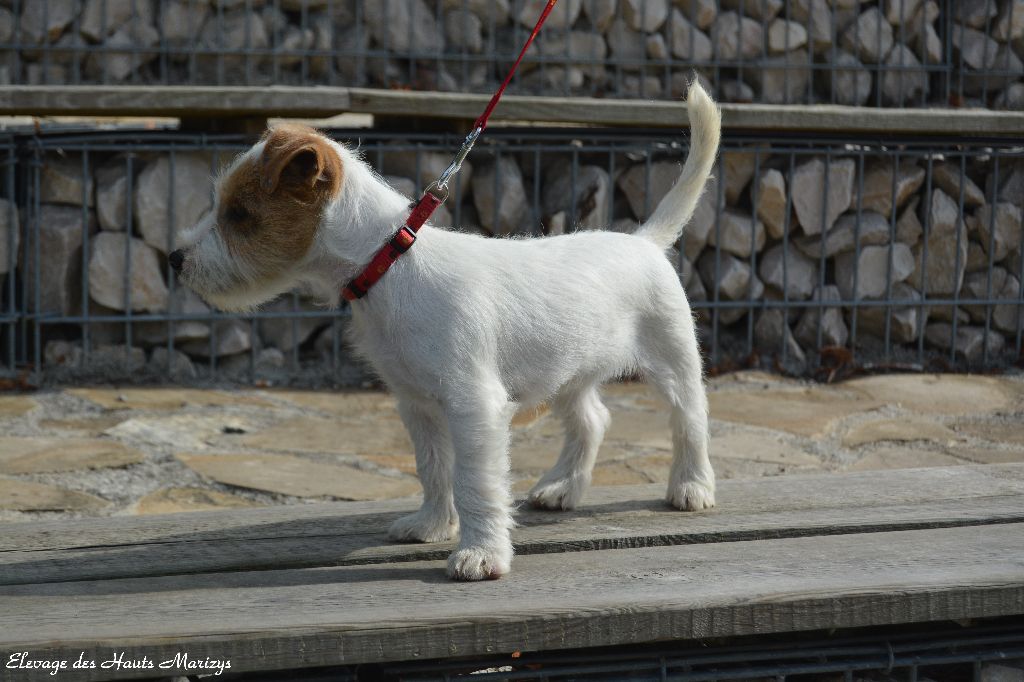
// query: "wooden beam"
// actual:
[[360, 614], [611, 518], [324, 102]]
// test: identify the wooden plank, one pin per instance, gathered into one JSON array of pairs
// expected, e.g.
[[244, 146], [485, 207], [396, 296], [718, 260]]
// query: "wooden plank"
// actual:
[[323, 102], [618, 517], [327, 616], [658, 114], [172, 101]]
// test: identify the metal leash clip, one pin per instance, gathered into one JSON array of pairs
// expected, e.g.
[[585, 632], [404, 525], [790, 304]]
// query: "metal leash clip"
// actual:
[[456, 164]]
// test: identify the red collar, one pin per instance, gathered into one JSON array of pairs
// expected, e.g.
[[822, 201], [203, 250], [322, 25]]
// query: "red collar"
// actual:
[[401, 242]]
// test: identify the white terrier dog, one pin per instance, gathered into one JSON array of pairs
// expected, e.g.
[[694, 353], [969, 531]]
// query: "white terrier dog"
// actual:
[[465, 329]]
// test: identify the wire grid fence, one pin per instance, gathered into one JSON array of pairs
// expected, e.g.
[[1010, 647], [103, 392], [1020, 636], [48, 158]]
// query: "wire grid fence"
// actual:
[[906, 654], [775, 51], [9, 243], [919, 266]]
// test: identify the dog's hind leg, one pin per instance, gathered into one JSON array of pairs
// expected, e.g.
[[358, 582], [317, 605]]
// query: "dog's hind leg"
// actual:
[[436, 521], [585, 418], [672, 364]]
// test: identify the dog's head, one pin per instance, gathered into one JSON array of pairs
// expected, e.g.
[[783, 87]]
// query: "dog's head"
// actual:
[[268, 209]]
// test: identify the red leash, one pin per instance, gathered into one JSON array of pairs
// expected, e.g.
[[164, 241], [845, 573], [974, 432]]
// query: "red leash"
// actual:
[[403, 240]]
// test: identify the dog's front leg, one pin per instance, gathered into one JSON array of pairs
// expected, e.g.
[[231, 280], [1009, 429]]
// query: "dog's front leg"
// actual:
[[480, 433], [436, 521]]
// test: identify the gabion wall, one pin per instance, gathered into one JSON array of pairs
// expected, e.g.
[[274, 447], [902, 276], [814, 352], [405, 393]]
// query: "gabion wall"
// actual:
[[902, 253], [878, 53]]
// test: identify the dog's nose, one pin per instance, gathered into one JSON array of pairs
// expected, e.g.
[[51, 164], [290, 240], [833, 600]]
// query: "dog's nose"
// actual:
[[176, 259]]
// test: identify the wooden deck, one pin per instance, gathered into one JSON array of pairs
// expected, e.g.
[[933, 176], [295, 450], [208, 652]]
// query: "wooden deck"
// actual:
[[316, 585]]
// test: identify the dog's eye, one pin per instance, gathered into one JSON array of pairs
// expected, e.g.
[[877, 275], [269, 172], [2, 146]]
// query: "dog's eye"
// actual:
[[237, 214]]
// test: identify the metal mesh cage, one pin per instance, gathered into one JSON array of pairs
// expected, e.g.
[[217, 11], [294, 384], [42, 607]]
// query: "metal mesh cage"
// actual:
[[906, 53], [805, 254]]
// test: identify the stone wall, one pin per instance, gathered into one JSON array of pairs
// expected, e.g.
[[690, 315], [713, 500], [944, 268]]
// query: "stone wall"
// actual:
[[782, 225], [884, 53]]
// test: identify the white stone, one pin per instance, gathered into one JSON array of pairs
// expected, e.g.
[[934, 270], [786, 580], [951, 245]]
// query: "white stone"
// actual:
[[687, 40], [815, 210], [788, 272], [1006, 218], [230, 337], [627, 46], [645, 15], [600, 13], [284, 333], [737, 169], [976, 49], [112, 196], [502, 203], [871, 269], [971, 343], [1004, 286], [901, 11], [182, 20], [737, 38], [700, 12], [762, 10], [563, 16], [191, 190], [738, 233], [877, 190], [705, 215], [783, 79], [10, 236], [494, 12], [118, 66], [663, 175], [942, 271], [975, 13], [62, 181], [772, 335], [784, 36], [949, 179], [905, 322], [591, 192], [833, 329], [463, 30], [92, 22], [60, 259], [736, 91], [771, 202], [175, 365], [1010, 25], [904, 82], [107, 274], [908, 227], [404, 26], [43, 22], [184, 302], [735, 278], [848, 82], [816, 16], [872, 229], [870, 37]]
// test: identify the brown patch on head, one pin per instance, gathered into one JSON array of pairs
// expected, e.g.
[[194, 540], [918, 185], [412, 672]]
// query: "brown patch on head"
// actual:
[[270, 207]]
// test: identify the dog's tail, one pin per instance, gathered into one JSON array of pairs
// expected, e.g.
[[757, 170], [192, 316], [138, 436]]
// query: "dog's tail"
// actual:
[[675, 210]]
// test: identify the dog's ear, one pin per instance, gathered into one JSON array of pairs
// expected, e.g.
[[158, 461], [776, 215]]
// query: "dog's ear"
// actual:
[[300, 161]]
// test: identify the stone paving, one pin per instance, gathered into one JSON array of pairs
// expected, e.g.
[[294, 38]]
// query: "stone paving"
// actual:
[[121, 451]]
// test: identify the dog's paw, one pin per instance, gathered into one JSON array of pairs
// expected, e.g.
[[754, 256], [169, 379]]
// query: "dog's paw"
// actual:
[[420, 527], [479, 563], [691, 496], [563, 493]]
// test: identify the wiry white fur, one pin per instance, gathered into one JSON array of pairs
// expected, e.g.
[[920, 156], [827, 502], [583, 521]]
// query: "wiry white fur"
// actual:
[[465, 329]]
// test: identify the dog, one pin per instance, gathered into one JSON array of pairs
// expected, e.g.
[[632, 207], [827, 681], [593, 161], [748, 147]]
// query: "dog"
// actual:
[[466, 329]]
